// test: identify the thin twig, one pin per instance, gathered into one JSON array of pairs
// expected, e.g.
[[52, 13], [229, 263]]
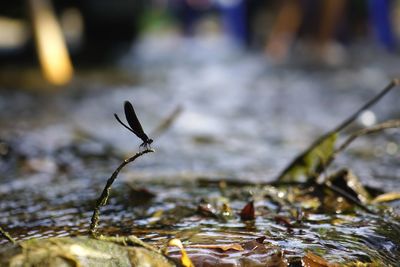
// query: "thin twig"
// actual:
[[166, 123], [102, 200], [341, 126], [7, 235], [370, 130], [384, 91], [373, 129]]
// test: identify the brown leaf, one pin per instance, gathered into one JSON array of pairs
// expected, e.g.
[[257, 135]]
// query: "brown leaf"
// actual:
[[248, 212], [254, 244], [261, 239], [312, 260], [223, 247], [283, 220]]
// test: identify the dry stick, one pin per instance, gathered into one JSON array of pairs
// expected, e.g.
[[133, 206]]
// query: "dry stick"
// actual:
[[370, 130], [345, 123], [374, 129], [341, 126], [102, 200], [347, 196], [167, 122], [7, 235]]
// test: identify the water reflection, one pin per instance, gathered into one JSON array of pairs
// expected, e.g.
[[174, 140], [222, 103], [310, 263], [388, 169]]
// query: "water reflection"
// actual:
[[241, 118]]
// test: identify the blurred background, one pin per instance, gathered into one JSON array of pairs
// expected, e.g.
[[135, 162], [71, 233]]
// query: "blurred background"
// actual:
[[62, 35], [251, 77], [254, 83]]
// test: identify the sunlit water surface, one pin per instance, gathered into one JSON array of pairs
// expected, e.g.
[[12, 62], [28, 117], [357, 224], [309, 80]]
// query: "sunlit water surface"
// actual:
[[242, 118]]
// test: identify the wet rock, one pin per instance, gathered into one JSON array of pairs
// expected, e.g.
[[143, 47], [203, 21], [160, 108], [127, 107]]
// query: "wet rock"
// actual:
[[81, 251]]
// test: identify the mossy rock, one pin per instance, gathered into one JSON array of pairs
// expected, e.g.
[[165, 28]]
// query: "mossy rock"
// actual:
[[79, 251]]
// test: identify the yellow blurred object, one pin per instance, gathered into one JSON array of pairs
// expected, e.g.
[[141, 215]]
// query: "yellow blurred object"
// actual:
[[185, 260], [50, 44], [386, 197]]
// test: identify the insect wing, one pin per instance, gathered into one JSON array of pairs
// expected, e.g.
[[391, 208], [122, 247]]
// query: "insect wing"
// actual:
[[133, 121], [123, 124]]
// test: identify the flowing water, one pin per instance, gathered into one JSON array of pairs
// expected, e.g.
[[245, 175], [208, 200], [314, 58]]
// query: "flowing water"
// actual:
[[242, 118]]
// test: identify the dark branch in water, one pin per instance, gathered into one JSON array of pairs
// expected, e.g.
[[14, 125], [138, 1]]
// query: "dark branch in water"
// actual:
[[7, 235], [347, 196], [102, 200], [300, 158]]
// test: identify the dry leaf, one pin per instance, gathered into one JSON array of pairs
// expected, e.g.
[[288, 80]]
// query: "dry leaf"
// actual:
[[248, 212], [185, 260], [283, 221], [224, 247], [312, 260]]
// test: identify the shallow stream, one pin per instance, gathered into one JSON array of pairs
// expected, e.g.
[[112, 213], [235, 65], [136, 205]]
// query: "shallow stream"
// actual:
[[242, 119]]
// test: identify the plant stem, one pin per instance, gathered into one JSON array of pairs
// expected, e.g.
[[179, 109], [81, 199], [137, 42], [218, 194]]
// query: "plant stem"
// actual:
[[102, 200], [384, 91], [338, 128], [370, 130], [7, 235], [166, 123]]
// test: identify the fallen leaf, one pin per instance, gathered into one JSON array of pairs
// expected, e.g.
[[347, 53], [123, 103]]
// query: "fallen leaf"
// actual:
[[312, 260], [248, 212], [283, 220], [223, 247], [254, 244], [185, 260]]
